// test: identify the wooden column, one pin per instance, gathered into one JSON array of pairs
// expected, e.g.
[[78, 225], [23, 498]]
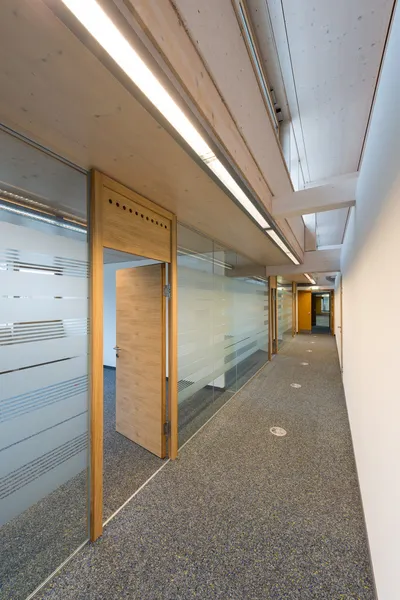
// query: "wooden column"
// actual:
[[332, 312], [272, 316], [294, 307], [173, 345], [96, 357]]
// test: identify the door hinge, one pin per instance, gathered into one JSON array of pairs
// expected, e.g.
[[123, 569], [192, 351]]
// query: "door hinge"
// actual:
[[167, 290], [167, 428]]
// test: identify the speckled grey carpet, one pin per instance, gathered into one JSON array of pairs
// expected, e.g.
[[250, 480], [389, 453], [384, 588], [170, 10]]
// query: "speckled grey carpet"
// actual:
[[40, 539], [243, 514], [126, 465], [35, 543]]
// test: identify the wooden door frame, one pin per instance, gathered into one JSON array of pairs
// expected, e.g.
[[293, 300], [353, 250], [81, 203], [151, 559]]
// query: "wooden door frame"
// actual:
[[294, 307], [97, 229], [272, 317]]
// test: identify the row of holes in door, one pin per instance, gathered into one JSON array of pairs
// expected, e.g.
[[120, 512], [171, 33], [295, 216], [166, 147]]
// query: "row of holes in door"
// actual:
[[117, 204]]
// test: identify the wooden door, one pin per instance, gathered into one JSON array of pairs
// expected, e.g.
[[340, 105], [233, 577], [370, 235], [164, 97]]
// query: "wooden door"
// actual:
[[140, 376], [304, 303]]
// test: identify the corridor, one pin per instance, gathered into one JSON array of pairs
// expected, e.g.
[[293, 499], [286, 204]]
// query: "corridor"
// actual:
[[243, 513]]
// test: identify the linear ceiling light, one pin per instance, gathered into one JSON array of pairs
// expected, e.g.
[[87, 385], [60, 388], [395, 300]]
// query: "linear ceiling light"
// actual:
[[310, 279], [274, 236], [96, 21]]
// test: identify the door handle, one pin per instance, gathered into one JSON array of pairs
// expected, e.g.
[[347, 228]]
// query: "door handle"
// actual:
[[117, 349]]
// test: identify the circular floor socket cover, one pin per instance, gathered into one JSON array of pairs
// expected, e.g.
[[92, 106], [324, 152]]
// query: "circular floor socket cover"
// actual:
[[279, 431], [295, 385], [304, 364], [309, 350]]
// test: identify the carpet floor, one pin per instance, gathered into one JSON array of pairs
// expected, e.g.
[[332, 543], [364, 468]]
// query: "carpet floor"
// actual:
[[36, 542], [243, 513]]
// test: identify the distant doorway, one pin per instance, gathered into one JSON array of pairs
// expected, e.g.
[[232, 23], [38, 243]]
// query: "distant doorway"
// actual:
[[321, 306]]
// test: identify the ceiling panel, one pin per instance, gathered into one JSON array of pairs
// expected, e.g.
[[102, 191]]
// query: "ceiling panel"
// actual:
[[335, 51], [330, 226]]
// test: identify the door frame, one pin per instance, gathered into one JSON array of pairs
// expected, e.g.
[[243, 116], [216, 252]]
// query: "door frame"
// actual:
[[101, 228], [272, 317], [294, 308]]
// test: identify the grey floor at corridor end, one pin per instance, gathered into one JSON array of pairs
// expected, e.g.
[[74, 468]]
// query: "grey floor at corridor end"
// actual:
[[244, 514]]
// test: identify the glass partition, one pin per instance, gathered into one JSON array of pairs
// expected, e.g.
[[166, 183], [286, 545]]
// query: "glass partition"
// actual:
[[285, 312], [222, 328], [44, 444]]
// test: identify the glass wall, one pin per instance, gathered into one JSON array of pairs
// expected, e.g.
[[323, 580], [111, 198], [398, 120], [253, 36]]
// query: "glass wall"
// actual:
[[44, 444], [285, 313], [222, 328]]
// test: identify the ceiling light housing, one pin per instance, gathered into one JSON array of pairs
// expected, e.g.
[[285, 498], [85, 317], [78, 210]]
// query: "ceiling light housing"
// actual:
[[310, 279]]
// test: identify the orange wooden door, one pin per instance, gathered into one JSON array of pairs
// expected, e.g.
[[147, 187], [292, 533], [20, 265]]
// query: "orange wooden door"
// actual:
[[304, 303]]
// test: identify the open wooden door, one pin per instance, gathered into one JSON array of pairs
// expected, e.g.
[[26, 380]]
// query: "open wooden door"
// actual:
[[304, 304], [123, 220], [141, 349]]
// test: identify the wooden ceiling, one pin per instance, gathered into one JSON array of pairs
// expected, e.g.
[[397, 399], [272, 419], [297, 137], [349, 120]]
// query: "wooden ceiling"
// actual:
[[56, 92]]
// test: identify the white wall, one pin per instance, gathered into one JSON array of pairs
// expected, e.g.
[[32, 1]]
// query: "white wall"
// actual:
[[109, 317], [371, 326]]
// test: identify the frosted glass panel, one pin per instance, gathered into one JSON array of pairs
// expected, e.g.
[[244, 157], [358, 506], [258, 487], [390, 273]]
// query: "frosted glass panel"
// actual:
[[222, 328], [44, 443], [285, 313]]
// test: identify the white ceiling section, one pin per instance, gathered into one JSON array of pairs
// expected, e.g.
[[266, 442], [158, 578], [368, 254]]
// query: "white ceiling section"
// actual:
[[335, 52], [328, 55], [56, 92], [330, 226]]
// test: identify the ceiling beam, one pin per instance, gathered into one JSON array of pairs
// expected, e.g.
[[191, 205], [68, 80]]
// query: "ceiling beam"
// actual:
[[318, 261], [336, 193]]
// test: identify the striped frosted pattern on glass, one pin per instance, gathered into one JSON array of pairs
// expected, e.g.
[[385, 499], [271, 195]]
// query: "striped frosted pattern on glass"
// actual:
[[43, 360], [221, 322], [285, 312]]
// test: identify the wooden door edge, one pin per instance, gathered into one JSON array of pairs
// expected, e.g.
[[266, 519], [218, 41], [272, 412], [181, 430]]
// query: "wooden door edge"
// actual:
[[163, 361], [96, 356], [173, 440]]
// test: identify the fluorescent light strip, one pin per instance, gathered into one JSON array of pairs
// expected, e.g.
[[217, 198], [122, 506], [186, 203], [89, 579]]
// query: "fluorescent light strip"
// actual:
[[293, 258], [274, 236], [96, 21], [310, 279], [219, 170]]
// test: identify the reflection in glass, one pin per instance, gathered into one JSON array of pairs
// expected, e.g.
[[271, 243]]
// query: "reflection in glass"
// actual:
[[285, 313], [222, 328]]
